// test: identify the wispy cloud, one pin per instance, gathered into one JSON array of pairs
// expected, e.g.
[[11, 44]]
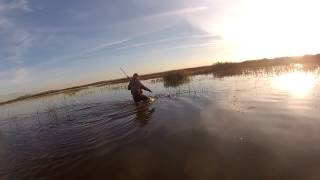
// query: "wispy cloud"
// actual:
[[176, 12], [6, 6], [15, 42], [197, 45], [165, 14], [101, 47], [84, 53], [67, 43], [124, 44], [16, 39], [146, 43], [18, 45], [160, 41]]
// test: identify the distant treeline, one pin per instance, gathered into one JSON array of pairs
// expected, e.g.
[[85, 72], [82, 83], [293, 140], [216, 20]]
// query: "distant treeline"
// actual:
[[219, 69]]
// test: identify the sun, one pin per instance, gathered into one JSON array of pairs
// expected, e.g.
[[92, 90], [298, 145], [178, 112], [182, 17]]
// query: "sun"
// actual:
[[263, 29], [297, 83]]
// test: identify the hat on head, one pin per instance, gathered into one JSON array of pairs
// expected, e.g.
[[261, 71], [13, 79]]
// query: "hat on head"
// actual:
[[135, 75]]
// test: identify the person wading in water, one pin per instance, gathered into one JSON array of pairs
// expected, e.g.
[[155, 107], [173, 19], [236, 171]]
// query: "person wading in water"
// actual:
[[136, 87]]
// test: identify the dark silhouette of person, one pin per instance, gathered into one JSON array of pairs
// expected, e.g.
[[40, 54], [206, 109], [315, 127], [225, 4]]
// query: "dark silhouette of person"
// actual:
[[136, 87]]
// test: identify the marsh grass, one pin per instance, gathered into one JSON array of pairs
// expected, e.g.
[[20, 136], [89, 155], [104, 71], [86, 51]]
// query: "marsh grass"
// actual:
[[52, 113], [219, 70], [156, 80], [264, 66], [175, 78]]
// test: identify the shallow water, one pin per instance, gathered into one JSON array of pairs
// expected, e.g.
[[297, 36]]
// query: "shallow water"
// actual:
[[242, 127]]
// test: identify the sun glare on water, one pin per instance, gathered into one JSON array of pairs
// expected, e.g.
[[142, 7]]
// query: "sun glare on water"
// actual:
[[297, 83]]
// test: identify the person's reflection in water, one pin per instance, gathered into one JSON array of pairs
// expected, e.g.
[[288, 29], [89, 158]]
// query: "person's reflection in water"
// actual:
[[144, 114]]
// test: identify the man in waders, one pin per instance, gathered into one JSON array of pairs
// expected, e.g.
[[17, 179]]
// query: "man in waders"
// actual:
[[136, 87]]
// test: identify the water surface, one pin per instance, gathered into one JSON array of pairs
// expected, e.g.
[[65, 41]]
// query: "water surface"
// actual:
[[252, 126]]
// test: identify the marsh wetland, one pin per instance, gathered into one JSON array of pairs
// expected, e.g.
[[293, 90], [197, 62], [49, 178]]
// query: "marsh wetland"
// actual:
[[259, 124]]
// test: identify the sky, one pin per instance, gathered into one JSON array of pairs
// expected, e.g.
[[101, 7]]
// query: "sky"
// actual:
[[52, 44]]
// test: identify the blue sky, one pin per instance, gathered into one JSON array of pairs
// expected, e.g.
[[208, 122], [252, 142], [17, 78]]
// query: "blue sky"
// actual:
[[50, 44]]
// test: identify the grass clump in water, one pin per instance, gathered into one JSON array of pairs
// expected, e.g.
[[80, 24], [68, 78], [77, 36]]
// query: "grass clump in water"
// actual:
[[175, 78], [226, 69]]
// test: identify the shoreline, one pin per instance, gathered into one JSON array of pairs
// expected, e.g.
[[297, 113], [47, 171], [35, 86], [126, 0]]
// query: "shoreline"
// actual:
[[218, 69]]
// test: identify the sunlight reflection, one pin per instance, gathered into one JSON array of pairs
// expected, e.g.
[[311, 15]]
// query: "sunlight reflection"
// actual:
[[296, 83]]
